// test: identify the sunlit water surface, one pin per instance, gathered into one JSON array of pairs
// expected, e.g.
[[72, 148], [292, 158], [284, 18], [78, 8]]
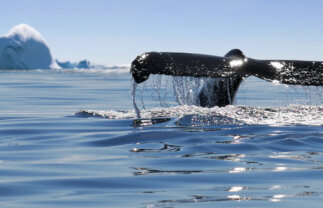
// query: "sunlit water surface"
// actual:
[[71, 139]]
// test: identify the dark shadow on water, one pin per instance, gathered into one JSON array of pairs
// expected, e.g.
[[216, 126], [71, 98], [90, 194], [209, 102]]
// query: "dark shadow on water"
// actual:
[[146, 171], [166, 147], [148, 122]]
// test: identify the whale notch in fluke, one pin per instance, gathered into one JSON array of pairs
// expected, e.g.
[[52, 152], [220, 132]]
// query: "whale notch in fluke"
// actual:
[[230, 70]]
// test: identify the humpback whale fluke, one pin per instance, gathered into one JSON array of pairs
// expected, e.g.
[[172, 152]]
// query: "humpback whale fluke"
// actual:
[[231, 69]]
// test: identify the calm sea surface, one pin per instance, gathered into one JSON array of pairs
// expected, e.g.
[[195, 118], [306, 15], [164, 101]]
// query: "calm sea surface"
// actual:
[[71, 139]]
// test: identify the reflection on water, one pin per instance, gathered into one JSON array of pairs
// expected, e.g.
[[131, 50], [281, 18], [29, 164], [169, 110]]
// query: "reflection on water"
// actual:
[[166, 147], [238, 170], [146, 171], [236, 189], [245, 194], [277, 198]]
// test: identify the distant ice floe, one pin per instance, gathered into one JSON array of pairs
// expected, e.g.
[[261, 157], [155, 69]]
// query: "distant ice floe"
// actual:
[[69, 65], [86, 64], [25, 48], [101, 71]]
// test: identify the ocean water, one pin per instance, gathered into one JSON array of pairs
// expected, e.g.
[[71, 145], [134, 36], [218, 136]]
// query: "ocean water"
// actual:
[[71, 138]]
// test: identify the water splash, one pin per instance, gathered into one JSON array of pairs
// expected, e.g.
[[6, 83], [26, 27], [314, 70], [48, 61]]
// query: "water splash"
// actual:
[[298, 102], [153, 92], [198, 116], [167, 91], [186, 89]]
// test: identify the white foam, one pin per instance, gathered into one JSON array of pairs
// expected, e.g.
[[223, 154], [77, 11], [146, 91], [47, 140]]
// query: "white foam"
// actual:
[[199, 116], [187, 112]]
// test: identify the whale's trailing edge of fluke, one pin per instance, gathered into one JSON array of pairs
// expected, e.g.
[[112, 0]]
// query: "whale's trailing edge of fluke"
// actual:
[[234, 64], [232, 68]]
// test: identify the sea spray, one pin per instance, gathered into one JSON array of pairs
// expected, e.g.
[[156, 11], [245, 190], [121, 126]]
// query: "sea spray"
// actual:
[[158, 91], [206, 92], [158, 86], [194, 115], [186, 90], [168, 91]]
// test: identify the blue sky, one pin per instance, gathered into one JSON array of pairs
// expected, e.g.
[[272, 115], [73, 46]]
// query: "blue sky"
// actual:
[[115, 32]]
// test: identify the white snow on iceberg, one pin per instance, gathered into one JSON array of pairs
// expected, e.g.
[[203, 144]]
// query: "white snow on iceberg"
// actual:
[[25, 48]]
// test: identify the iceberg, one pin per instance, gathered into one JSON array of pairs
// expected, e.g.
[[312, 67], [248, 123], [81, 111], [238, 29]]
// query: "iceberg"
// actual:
[[84, 64], [66, 64], [25, 48]]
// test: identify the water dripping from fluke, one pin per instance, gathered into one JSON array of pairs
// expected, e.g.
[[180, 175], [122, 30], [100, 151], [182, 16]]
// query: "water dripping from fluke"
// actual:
[[204, 92], [133, 92]]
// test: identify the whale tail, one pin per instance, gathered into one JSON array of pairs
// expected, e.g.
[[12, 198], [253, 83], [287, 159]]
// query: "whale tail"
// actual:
[[229, 69], [219, 92]]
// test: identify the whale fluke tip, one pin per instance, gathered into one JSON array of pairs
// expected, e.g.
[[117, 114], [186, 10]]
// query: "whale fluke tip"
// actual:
[[139, 68]]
